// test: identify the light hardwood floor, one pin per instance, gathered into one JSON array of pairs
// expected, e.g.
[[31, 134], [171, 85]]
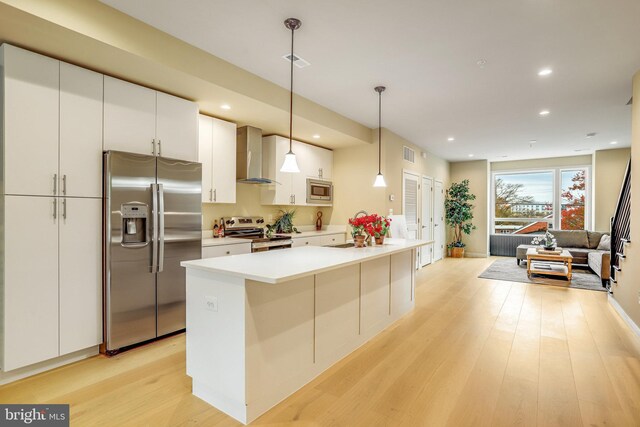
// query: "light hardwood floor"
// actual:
[[474, 352]]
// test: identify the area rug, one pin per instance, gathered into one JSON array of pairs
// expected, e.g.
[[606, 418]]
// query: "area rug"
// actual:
[[507, 269]]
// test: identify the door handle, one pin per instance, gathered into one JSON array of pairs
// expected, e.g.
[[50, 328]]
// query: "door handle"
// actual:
[[55, 209], [154, 232], [55, 184], [161, 228], [64, 184], [215, 195], [64, 208], [159, 147], [153, 147], [211, 195]]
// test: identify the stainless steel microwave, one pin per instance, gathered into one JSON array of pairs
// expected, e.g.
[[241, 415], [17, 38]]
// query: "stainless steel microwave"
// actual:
[[319, 191]]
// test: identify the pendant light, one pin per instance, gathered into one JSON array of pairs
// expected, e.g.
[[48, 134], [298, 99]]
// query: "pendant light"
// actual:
[[379, 178], [290, 164]]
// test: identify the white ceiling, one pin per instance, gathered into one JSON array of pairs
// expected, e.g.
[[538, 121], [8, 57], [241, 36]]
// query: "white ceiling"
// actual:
[[426, 53]]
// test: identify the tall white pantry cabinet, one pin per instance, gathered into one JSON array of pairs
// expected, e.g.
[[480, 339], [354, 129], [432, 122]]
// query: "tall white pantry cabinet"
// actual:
[[50, 208]]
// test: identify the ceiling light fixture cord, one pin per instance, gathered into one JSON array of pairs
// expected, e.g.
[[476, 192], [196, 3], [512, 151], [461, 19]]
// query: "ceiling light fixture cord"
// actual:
[[293, 28], [379, 131]]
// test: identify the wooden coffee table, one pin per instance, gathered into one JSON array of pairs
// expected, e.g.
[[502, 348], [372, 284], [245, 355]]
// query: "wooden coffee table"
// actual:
[[549, 264]]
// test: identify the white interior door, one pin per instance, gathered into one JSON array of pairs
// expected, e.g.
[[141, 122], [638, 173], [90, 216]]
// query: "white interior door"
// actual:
[[426, 216], [438, 221], [410, 187]]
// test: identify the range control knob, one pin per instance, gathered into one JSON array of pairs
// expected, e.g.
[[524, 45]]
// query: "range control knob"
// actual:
[[230, 222]]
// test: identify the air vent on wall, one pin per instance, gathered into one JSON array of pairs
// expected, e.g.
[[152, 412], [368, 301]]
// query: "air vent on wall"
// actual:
[[297, 61], [409, 155]]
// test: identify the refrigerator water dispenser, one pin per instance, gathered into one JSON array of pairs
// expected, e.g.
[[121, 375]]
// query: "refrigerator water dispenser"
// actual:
[[134, 224]]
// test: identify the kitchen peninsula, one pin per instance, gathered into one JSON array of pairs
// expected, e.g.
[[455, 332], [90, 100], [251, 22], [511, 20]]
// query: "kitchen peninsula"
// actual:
[[262, 325]]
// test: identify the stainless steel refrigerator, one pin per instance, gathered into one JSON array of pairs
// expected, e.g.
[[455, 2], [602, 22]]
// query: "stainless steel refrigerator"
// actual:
[[152, 222]]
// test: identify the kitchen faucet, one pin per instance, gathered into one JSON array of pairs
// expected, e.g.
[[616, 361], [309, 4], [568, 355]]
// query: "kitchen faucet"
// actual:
[[360, 212]]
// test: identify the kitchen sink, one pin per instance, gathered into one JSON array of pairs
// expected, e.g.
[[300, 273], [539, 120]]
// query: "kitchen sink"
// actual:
[[344, 245]]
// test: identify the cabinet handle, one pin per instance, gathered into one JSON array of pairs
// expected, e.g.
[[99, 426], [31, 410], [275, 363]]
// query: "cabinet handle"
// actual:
[[55, 209], [320, 173], [306, 243], [211, 195], [55, 184], [64, 184], [228, 252], [153, 147], [159, 147], [64, 208], [215, 195]]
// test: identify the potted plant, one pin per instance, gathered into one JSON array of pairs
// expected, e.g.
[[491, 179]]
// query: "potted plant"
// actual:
[[283, 223], [377, 227], [358, 231], [547, 241], [459, 213]]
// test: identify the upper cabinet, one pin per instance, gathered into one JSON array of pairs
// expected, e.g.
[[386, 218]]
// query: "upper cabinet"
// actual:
[[291, 188], [177, 127], [31, 113], [217, 153], [141, 120], [53, 126], [80, 131]]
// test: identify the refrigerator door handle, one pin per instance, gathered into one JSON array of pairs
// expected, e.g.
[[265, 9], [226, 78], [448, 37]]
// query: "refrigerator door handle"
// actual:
[[160, 228], [154, 227]]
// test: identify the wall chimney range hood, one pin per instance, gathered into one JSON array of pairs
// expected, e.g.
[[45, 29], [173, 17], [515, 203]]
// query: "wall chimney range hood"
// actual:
[[249, 156]]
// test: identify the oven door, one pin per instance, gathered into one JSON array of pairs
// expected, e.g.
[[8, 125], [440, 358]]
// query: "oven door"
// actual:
[[319, 192]]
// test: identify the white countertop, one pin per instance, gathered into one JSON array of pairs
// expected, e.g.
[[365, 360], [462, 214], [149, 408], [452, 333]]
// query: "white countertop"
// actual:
[[288, 264]]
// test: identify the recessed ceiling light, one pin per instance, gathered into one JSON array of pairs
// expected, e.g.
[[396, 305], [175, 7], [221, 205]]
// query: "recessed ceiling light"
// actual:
[[451, 139], [545, 72], [481, 62], [613, 142], [225, 107], [533, 141], [316, 136], [544, 112], [470, 155]]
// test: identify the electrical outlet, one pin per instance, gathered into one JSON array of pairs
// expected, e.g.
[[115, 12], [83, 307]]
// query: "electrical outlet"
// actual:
[[392, 197], [211, 303]]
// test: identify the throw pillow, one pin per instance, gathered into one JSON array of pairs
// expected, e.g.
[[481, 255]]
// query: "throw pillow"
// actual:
[[605, 243]]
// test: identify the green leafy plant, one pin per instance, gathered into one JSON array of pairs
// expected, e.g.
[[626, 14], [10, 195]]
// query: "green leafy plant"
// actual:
[[283, 223], [459, 211]]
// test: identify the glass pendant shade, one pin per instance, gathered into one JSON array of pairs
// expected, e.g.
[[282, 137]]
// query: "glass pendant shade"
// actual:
[[290, 164], [379, 181]]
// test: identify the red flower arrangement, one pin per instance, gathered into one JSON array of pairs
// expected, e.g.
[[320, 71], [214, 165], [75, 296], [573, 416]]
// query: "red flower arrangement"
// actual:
[[374, 225]]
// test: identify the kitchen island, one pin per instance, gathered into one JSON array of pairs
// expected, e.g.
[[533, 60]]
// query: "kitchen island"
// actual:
[[262, 325]]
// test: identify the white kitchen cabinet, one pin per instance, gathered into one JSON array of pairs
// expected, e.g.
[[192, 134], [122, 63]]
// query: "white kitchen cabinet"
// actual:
[[80, 269], [333, 239], [217, 153], [306, 241], [31, 109], [177, 127], [30, 282], [225, 250], [144, 121], [292, 189], [81, 92], [129, 117]]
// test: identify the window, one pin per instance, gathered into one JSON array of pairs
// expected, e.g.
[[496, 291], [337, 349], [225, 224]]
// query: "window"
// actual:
[[531, 202]]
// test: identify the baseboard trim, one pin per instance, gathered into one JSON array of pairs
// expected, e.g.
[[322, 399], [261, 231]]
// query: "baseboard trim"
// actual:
[[47, 365], [616, 306]]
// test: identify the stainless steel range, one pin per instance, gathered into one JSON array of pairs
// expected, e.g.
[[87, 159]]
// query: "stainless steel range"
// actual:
[[252, 228]]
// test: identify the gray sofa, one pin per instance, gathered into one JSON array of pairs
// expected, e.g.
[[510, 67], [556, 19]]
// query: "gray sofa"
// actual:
[[582, 245]]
